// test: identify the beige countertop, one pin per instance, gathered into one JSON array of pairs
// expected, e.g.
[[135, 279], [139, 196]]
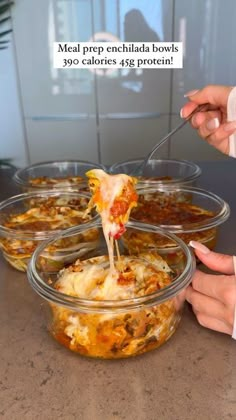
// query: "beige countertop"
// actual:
[[193, 376]]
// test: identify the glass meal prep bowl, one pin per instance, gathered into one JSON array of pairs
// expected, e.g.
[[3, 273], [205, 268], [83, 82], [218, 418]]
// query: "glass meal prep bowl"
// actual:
[[160, 171], [132, 315], [29, 218], [190, 213], [55, 174]]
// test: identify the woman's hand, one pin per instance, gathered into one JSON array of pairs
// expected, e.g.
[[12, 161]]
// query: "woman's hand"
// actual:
[[213, 296], [211, 125]]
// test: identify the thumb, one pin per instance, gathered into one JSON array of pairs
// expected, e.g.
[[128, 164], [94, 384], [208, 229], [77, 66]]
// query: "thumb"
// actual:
[[213, 260], [213, 94]]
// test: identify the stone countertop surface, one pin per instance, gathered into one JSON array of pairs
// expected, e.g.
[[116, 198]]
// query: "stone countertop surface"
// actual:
[[193, 376]]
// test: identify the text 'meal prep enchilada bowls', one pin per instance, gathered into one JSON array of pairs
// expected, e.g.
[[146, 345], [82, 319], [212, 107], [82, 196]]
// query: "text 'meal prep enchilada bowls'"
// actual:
[[27, 219], [190, 213], [94, 317], [69, 174]]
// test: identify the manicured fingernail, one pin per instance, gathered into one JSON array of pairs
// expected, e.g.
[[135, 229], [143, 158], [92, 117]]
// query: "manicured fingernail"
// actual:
[[190, 93], [231, 126], [181, 113], [213, 124], [199, 247]]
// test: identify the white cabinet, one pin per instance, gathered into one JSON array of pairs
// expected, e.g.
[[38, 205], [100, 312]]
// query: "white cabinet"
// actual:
[[53, 140]]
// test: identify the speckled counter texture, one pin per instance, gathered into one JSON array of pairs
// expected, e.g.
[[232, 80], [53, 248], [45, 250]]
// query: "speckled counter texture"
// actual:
[[192, 377]]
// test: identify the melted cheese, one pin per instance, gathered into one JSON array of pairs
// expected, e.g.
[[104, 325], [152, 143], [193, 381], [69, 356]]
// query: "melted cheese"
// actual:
[[48, 216], [93, 279], [106, 189]]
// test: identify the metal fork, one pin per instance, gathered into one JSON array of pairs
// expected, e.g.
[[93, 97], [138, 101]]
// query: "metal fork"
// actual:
[[141, 166]]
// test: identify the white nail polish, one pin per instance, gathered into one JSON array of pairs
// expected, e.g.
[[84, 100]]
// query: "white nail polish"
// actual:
[[213, 124], [181, 113], [190, 93], [199, 247]]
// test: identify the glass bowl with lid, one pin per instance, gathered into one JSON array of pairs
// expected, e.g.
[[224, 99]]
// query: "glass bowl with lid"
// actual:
[[160, 171], [28, 219], [190, 213], [96, 314], [69, 174]]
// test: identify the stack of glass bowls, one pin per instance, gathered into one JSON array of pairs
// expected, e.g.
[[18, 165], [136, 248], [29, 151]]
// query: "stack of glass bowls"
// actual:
[[117, 328]]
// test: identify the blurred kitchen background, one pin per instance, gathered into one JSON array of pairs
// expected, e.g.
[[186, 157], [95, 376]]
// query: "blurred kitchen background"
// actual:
[[48, 114]]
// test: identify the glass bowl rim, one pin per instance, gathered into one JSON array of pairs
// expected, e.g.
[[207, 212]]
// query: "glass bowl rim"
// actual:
[[17, 177], [38, 235], [220, 218], [196, 173], [107, 306]]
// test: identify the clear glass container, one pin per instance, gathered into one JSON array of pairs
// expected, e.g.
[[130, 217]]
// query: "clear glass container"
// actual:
[[27, 219], [190, 213], [117, 321], [55, 174], [160, 171]]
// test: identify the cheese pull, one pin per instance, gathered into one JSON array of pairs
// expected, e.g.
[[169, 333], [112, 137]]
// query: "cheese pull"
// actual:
[[114, 196]]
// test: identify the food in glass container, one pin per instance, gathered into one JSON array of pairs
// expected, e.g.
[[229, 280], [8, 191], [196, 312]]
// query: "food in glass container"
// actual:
[[55, 174], [134, 241], [160, 171], [108, 335], [27, 219], [63, 182], [166, 210], [139, 312], [190, 220], [77, 202]]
